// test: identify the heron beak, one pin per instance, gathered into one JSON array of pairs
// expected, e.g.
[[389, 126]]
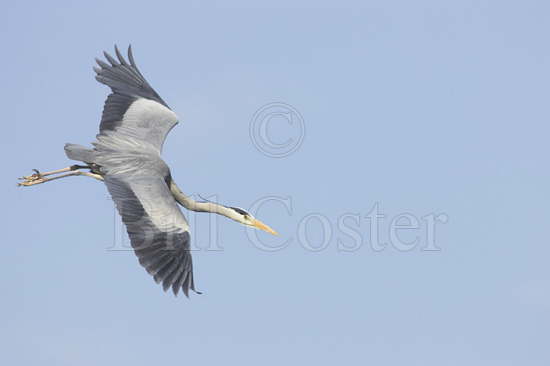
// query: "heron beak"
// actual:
[[260, 225]]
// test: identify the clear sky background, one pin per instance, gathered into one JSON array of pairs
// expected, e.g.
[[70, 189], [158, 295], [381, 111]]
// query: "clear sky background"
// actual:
[[423, 107]]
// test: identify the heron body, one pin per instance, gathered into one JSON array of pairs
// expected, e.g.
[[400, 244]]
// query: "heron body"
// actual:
[[126, 156]]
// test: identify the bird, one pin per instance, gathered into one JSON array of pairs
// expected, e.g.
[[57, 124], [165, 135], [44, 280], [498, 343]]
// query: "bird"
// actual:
[[126, 157]]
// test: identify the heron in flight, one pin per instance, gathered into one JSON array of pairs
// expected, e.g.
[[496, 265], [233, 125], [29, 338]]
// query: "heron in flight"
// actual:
[[126, 157]]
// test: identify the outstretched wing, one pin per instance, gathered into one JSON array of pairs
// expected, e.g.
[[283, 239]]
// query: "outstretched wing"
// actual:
[[158, 231], [134, 109]]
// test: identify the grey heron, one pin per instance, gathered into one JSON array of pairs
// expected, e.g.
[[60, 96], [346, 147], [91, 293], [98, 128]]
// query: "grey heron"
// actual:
[[126, 156]]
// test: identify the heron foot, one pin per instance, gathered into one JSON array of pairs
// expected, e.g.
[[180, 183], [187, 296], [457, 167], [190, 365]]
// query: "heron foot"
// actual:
[[29, 180]]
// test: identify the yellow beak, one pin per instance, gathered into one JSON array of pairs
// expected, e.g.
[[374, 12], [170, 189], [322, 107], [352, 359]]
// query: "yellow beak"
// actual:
[[260, 225]]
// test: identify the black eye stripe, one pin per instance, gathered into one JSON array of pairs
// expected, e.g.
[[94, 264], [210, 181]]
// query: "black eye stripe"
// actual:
[[240, 210]]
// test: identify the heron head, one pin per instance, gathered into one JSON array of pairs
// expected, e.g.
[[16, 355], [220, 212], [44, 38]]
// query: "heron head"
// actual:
[[247, 219]]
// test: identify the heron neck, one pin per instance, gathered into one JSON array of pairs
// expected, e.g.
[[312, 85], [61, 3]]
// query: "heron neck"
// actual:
[[193, 205]]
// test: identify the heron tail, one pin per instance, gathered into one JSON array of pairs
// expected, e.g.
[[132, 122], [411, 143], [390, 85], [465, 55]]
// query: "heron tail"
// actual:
[[79, 153]]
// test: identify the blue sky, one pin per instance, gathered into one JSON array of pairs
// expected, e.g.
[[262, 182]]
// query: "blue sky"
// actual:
[[417, 108]]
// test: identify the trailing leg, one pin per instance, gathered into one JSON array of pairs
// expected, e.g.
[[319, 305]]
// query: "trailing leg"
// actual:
[[73, 170]]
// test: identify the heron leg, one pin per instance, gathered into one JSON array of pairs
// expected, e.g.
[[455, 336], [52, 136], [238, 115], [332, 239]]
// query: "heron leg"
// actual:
[[73, 170], [39, 174]]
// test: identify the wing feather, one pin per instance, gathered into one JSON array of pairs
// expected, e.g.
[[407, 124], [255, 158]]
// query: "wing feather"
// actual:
[[134, 108], [157, 229]]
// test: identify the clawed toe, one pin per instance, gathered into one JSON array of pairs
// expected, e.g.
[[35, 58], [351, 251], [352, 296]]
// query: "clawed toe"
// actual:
[[34, 176], [30, 180]]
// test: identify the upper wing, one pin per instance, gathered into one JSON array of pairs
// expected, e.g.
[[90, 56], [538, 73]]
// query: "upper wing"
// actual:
[[134, 109], [157, 229]]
